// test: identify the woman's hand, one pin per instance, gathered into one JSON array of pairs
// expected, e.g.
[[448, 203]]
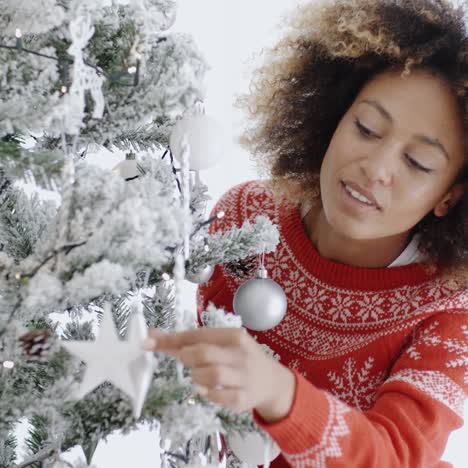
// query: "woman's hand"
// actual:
[[230, 368]]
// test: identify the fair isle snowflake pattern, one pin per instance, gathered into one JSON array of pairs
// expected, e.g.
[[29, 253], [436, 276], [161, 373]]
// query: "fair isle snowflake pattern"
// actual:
[[329, 446], [426, 337], [340, 307], [457, 348], [356, 386], [309, 340], [371, 307], [294, 284], [296, 365], [257, 200]]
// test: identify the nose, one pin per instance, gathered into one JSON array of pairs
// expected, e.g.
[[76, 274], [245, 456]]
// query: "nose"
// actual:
[[381, 165]]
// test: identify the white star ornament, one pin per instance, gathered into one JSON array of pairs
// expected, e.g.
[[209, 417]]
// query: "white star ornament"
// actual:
[[124, 363]]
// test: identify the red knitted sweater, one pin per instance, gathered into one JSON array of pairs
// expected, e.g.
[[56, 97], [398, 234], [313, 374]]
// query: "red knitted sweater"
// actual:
[[380, 355]]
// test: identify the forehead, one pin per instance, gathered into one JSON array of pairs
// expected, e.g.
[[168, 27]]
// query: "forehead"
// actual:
[[418, 103], [421, 94]]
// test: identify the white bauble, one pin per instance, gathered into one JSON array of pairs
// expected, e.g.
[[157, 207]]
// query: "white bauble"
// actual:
[[204, 137], [127, 169], [251, 448]]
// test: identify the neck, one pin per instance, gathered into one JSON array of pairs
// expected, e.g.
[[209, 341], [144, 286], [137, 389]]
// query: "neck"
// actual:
[[367, 253]]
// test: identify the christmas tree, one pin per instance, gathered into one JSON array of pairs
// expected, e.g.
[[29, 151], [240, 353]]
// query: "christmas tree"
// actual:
[[79, 75]]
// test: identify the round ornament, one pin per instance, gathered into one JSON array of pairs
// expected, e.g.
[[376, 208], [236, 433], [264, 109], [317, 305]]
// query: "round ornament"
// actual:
[[128, 168], [201, 276], [252, 448], [205, 138], [260, 302]]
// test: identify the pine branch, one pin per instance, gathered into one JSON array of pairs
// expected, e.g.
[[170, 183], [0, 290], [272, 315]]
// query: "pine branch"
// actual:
[[34, 460], [159, 309], [23, 220], [8, 444], [223, 247], [41, 167], [35, 441], [237, 422], [121, 311], [78, 331], [143, 138]]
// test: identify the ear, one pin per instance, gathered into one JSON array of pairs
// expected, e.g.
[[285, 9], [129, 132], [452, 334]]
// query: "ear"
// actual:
[[449, 200]]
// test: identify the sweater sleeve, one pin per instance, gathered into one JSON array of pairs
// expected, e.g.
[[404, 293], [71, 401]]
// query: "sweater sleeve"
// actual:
[[229, 203], [415, 410]]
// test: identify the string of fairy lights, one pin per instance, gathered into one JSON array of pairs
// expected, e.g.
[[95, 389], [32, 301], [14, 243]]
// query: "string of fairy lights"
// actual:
[[132, 70]]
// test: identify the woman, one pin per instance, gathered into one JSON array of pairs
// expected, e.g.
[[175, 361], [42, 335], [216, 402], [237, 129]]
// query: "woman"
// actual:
[[360, 118]]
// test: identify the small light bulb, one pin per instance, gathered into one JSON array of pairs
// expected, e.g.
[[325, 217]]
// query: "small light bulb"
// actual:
[[132, 70], [220, 215], [63, 89], [19, 40], [165, 277], [18, 276], [206, 248], [8, 364]]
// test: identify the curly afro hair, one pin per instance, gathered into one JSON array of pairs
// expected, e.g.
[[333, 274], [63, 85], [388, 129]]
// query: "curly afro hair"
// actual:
[[310, 78]]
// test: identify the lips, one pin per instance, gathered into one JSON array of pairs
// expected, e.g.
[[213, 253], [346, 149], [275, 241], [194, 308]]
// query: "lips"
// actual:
[[363, 192]]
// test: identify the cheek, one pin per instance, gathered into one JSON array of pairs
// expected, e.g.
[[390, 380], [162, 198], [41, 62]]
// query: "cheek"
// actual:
[[412, 202]]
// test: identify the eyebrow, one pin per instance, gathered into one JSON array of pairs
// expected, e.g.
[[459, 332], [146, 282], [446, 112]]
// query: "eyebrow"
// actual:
[[422, 138]]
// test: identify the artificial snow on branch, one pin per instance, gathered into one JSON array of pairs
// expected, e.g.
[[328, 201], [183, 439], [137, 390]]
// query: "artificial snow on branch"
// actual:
[[107, 238]]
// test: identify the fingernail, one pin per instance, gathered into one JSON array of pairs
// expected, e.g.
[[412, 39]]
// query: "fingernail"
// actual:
[[200, 389], [149, 344]]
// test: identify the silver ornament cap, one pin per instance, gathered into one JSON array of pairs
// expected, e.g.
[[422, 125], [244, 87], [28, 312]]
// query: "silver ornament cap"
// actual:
[[260, 302]]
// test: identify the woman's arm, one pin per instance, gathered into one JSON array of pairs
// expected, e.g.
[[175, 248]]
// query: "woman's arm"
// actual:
[[415, 410]]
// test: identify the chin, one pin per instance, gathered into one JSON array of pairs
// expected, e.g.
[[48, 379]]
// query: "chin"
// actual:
[[352, 228]]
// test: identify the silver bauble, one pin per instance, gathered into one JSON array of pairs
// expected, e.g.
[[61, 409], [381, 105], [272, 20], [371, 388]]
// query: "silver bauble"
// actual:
[[260, 302], [201, 276]]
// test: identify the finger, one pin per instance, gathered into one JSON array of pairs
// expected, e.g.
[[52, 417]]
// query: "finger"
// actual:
[[217, 376], [202, 354], [217, 336], [232, 398]]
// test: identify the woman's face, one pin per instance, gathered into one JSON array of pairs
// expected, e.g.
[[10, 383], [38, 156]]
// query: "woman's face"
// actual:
[[401, 143]]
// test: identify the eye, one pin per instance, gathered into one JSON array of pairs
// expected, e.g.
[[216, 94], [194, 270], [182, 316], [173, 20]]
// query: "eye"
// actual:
[[415, 164], [364, 131]]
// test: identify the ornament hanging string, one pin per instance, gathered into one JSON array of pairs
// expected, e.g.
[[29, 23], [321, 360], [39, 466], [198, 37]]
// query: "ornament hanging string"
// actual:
[[261, 259]]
